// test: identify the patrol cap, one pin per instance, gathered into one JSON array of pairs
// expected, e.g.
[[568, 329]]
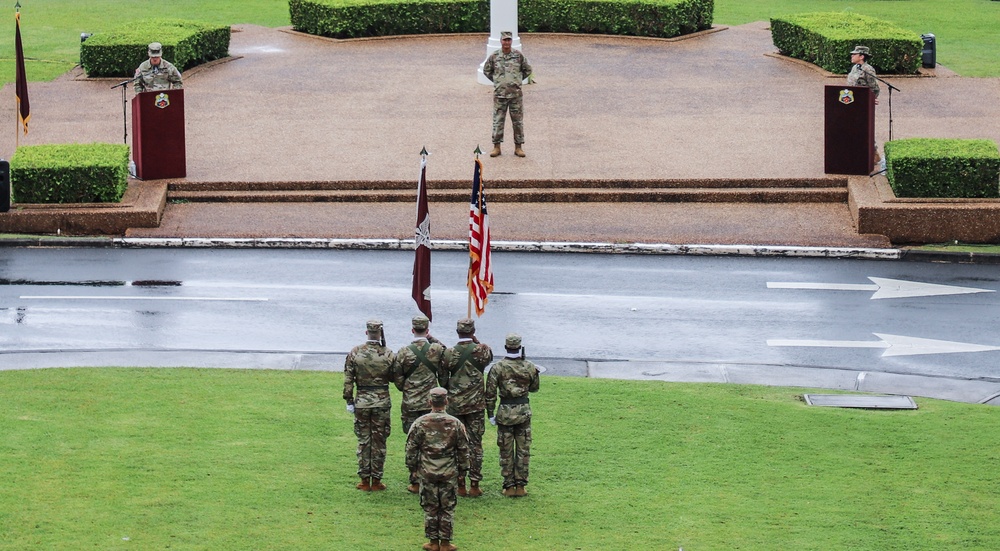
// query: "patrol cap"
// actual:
[[421, 323], [512, 341], [155, 49], [466, 325], [438, 396], [374, 326], [864, 50], [506, 34]]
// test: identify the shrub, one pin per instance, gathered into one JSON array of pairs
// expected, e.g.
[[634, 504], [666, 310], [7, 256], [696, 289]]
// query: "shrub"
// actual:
[[341, 19], [69, 173], [826, 39], [923, 167], [116, 53]]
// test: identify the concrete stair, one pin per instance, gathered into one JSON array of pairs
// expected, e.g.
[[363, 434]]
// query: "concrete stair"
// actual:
[[816, 190]]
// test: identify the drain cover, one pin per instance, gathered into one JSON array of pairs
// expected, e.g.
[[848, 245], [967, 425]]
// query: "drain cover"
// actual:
[[860, 401]]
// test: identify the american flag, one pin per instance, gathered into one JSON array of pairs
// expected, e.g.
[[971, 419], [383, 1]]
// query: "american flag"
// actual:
[[480, 267], [422, 244]]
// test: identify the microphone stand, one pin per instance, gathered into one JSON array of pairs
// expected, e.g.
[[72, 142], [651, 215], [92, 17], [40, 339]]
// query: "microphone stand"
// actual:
[[891, 88], [122, 85]]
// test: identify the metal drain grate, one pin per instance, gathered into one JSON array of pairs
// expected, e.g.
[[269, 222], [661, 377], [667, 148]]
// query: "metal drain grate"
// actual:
[[865, 401]]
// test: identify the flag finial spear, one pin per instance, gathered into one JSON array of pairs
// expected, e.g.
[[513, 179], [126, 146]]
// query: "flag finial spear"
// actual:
[[17, 5], [478, 151], [423, 151]]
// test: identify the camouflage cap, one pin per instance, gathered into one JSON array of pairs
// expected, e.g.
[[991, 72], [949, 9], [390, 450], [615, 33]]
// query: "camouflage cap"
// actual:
[[512, 341], [438, 396], [421, 323], [506, 34], [863, 50], [155, 49], [466, 325], [373, 326]]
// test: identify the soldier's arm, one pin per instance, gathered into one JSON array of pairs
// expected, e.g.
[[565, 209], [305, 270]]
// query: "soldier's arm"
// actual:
[[533, 385], [444, 372], [396, 371], [349, 379], [413, 442], [175, 78], [488, 67], [525, 68], [462, 449], [491, 391]]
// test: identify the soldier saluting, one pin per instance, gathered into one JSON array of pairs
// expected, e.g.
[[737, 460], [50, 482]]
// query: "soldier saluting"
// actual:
[[368, 366], [512, 378]]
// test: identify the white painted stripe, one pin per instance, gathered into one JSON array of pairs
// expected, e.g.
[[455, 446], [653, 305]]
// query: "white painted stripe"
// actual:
[[828, 344], [85, 297], [822, 286]]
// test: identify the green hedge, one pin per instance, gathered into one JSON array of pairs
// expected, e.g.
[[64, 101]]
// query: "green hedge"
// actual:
[[826, 39], [924, 167], [69, 173], [116, 53], [351, 19]]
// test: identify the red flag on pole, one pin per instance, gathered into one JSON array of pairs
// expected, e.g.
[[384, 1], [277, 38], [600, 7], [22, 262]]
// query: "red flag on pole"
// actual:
[[422, 244], [480, 267], [21, 84]]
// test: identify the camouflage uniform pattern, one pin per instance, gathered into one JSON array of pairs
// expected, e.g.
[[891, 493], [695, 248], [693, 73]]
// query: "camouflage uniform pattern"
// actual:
[[863, 74], [368, 366], [163, 77], [415, 379], [464, 365], [507, 71], [512, 379], [437, 449]]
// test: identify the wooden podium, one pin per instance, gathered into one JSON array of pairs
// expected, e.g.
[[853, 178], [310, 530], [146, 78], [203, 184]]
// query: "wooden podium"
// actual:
[[158, 134], [849, 132]]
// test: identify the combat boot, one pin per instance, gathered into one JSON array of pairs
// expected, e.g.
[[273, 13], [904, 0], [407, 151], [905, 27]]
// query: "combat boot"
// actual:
[[461, 487], [363, 485], [510, 492], [518, 151], [474, 490], [496, 150], [413, 488], [519, 491], [447, 546], [377, 485], [432, 546]]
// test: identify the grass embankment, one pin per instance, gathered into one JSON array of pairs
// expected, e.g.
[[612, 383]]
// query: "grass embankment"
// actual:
[[235, 460], [965, 29]]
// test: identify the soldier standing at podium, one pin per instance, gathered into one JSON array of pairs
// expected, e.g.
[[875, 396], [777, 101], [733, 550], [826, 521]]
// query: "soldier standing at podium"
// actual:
[[156, 73], [863, 74]]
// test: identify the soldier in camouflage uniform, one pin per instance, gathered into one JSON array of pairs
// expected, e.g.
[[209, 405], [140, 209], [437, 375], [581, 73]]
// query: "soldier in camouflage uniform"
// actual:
[[369, 367], [415, 373], [863, 74], [512, 378], [437, 449], [464, 365], [156, 73], [507, 69]]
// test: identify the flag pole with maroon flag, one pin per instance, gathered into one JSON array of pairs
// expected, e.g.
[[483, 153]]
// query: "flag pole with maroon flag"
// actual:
[[480, 265], [21, 82], [422, 244]]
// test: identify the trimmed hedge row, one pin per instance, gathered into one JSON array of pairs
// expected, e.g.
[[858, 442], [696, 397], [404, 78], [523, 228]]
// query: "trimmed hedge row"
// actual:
[[69, 173], [116, 53], [657, 18], [826, 39], [943, 168]]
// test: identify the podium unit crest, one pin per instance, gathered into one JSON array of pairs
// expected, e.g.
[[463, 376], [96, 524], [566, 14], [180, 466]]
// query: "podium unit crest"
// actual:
[[162, 100], [846, 97]]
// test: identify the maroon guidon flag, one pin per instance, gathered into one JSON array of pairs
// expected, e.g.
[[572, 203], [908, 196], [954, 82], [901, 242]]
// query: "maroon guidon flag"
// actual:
[[21, 82], [422, 244], [480, 267]]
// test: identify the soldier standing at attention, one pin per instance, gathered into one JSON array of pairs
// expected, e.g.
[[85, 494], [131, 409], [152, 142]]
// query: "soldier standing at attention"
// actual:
[[507, 68], [368, 366], [437, 448], [156, 73], [415, 373], [464, 365], [512, 378]]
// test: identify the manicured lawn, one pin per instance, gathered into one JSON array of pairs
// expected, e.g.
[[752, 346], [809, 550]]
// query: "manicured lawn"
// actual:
[[966, 30], [233, 460]]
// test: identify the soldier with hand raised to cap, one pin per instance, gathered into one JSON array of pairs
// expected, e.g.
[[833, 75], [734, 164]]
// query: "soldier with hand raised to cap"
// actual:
[[464, 365], [156, 73], [415, 373], [437, 449], [369, 368], [512, 378]]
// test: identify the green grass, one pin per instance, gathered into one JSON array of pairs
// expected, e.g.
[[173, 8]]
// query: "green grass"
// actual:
[[233, 460], [965, 29]]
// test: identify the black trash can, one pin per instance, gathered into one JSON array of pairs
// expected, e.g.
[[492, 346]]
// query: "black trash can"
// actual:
[[929, 53]]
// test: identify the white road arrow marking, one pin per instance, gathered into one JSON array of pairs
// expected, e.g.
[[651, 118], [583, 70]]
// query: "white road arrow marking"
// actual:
[[895, 345], [883, 287]]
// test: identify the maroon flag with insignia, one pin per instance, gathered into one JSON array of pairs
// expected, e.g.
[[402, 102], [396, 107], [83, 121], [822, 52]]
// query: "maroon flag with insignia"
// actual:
[[21, 83], [480, 266], [422, 244]]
